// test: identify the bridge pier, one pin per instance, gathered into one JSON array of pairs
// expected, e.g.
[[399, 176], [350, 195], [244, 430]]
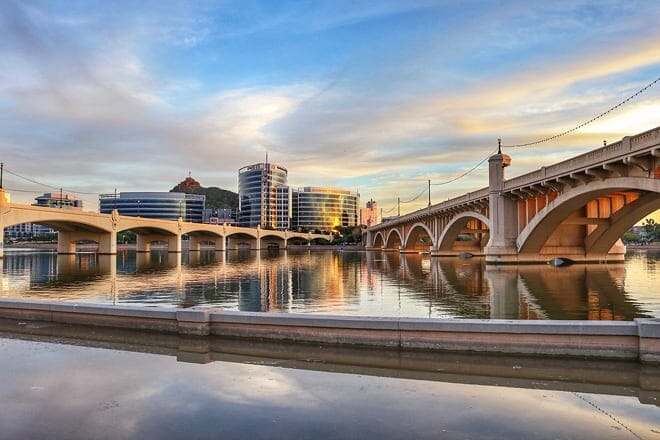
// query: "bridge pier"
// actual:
[[67, 240], [501, 247]]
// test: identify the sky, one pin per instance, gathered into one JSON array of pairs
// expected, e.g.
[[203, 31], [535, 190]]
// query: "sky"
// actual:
[[372, 96]]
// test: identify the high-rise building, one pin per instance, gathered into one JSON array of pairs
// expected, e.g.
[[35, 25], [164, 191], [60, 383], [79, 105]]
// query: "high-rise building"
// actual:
[[160, 205], [370, 216], [264, 199], [324, 209]]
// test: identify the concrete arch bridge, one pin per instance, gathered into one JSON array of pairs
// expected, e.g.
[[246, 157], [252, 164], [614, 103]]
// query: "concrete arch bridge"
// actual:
[[75, 226], [576, 209]]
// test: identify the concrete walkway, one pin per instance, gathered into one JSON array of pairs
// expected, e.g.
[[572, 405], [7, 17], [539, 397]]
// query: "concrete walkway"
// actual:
[[638, 339]]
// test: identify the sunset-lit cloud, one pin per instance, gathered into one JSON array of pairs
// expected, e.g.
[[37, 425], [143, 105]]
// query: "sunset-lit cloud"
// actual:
[[378, 97]]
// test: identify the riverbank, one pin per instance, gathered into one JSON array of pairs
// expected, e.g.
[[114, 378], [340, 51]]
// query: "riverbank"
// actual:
[[636, 340], [643, 247]]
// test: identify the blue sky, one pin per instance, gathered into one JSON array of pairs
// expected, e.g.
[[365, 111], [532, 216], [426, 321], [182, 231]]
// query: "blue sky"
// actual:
[[377, 96]]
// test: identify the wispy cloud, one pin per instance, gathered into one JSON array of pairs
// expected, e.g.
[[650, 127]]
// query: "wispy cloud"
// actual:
[[380, 96]]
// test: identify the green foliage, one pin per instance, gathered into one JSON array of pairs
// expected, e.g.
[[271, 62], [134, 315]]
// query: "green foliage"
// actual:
[[47, 237], [630, 237], [652, 230], [126, 237], [348, 234]]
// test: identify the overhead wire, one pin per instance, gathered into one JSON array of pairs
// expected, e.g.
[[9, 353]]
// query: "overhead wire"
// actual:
[[416, 197], [454, 179], [577, 127], [36, 182]]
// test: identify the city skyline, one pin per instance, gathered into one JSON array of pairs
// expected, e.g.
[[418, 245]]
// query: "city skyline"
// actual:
[[376, 97]]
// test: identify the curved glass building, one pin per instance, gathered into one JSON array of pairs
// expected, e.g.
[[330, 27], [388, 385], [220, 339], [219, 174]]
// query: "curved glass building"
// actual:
[[264, 199], [324, 209], [160, 205]]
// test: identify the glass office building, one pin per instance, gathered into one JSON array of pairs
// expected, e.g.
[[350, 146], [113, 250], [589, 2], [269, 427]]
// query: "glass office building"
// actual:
[[159, 205], [324, 209], [264, 199]]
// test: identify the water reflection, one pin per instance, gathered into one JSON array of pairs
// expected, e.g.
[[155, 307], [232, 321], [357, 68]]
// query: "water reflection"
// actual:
[[349, 283]]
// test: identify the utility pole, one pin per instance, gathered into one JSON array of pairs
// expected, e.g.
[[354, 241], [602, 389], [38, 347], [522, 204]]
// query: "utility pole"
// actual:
[[398, 206], [2, 166], [429, 192]]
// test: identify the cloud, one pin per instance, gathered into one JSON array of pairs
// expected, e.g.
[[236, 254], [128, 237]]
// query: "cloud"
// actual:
[[132, 98]]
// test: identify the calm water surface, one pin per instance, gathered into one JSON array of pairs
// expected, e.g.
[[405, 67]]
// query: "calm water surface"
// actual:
[[345, 283], [73, 389]]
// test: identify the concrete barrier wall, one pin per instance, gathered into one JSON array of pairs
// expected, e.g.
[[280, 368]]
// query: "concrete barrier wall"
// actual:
[[638, 339]]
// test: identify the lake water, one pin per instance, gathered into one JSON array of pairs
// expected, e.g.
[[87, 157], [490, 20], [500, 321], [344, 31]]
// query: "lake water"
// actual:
[[341, 283], [77, 384]]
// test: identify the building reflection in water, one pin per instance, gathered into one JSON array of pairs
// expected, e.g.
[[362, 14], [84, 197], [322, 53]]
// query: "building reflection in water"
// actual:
[[349, 283]]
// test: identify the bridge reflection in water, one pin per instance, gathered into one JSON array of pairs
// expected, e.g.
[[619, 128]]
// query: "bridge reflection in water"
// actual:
[[346, 283]]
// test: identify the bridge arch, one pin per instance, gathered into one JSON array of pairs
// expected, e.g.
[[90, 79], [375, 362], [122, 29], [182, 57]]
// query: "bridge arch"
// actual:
[[456, 225], [394, 240], [415, 233], [206, 236], [272, 239], [379, 241], [243, 240], [534, 237]]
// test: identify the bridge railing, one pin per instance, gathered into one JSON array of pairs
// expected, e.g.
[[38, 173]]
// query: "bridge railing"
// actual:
[[612, 152], [470, 197]]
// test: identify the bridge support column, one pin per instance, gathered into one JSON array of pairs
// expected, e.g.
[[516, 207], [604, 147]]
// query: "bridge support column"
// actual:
[[108, 243], [220, 244], [501, 247], [66, 242], [143, 243], [194, 244], [174, 243]]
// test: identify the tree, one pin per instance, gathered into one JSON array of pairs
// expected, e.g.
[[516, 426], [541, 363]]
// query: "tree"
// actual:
[[652, 230]]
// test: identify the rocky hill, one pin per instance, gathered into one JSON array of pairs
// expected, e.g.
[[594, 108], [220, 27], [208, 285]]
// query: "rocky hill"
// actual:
[[216, 198]]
